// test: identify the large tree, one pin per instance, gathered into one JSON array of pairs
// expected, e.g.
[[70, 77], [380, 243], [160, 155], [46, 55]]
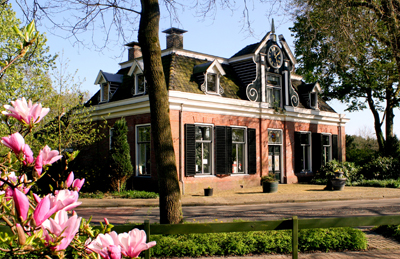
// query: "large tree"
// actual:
[[352, 47]]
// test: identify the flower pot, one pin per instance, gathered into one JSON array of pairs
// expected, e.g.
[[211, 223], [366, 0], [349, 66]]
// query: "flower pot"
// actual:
[[338, 183], [270, 187], [339, 174], [208, 192]]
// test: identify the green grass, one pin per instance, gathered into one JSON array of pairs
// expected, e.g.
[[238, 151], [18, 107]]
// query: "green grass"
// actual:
[[129, 194]]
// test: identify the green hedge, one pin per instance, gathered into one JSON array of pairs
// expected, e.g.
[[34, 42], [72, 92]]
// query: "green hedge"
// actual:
[[258, 242], [392, 231]]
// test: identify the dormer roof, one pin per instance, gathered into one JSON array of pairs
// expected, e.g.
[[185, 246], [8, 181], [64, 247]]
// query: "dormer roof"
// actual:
[[108, 77]]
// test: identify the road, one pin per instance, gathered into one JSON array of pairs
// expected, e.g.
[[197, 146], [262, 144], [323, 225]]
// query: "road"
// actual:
[[121, 215]]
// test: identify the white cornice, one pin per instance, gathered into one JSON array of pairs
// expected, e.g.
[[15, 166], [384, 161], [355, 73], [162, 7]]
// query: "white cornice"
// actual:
[[190, 102]]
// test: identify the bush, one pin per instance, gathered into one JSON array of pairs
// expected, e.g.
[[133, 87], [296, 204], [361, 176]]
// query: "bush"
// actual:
[[257, 242], [389, 183], [349, 169], [131, 194], [382, 168], [392, 231]]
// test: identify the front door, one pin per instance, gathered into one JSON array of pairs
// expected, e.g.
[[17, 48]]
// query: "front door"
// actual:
[[274, 161]]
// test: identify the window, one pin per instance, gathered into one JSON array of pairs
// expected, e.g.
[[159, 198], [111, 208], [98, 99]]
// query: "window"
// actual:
[[302, 151], [326, 149], [238, 150], [314, 100], [212, 83], [219, 150], [204, 149], [273, 90], [143, 137], [140, 84], [111, 135], [274, 152], [104, 92]]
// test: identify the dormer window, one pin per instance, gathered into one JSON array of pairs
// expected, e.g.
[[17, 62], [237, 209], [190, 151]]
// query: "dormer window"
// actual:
[[273, 90], [104, 92], [140, 84], [314, 100], [212, 83]]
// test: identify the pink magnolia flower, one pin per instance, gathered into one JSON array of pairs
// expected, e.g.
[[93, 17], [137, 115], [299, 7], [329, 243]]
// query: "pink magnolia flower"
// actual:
[[28, 154], [49, 156], [69, 180], [15, 142], [65, 200], [21, 204], [106, 245], [61, 226], [77, 184], [43, 210], [26, 112], [39, 164], [134, 242]]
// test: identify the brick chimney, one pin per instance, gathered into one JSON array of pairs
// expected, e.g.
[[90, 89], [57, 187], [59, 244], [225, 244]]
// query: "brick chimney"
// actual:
[[134, 50], [174, 38]]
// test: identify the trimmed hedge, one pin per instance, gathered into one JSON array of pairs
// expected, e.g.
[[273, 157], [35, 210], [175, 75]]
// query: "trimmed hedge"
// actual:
[[257, 242]]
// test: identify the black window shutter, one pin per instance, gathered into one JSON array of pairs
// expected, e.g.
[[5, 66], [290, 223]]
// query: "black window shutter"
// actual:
[[222, 147], [251, 151], [316, 150], [335, 147], [298, 153], [190, 149]]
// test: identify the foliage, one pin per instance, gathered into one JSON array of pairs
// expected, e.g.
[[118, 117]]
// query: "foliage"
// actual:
[[268, 178], [350, 171], [353, 59], [382, 168], [360, 150], [120, 158], [392, 231], [128, 194], [389, 183], [242, 243]]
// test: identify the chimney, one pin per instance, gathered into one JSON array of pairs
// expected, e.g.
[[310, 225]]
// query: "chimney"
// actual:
[[134, 50], [174, 38]]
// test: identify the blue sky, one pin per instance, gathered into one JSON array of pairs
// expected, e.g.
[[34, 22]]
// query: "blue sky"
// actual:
[[222, 36]]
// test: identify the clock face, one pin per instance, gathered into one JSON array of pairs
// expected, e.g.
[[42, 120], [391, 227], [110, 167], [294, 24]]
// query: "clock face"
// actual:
[[274, 56]]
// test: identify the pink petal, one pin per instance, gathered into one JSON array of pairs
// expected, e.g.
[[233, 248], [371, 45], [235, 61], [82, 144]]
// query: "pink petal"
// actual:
[[21, 203], [69, 180]]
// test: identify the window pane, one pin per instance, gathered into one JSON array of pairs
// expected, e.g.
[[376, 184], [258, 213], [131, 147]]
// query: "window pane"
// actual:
[[144, 134], [141, 83], [144, 159], [304, 139], [325, 140], [203, 133], [274, 80], [211, 83], [274, 136], [238, 135], [105, 92], [277, 97], [240, 158], [206, 158]]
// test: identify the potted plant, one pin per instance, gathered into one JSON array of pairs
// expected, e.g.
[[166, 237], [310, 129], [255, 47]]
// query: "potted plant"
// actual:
[[269, 183], [339, 181], [208, 191]]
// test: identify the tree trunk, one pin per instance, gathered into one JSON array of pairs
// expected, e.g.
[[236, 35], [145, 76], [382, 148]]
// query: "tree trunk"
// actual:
[[170, 197], [377, 122]]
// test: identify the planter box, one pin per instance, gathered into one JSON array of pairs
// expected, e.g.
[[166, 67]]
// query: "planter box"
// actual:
[[270, 187], [208, 192]]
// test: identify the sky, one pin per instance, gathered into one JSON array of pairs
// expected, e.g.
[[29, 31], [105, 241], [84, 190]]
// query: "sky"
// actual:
[[221, 36]]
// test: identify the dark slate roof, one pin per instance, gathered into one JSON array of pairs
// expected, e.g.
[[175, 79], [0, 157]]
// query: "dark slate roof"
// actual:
[[114, 78], [249, 49], [302, 89]]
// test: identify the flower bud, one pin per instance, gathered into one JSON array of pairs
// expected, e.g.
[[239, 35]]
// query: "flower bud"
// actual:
[[21, 235]]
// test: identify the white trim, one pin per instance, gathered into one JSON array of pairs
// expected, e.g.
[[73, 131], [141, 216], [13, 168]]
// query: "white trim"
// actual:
[[262, 43], [212, 142], [288, 51], [246, 153]]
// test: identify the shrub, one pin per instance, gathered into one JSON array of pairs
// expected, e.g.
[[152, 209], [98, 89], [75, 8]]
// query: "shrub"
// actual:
[[350, 171], [257, 242], [381, 168], [392, 231]]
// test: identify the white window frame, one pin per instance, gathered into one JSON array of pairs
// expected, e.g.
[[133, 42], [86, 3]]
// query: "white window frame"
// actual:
[[309, 151], [273, 87], [137, 169], [136, 87], [102, 85], [216, 83], [211, 141], [330, 146], [245, 144]]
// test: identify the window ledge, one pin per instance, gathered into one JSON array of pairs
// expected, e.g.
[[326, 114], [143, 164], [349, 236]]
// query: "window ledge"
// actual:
[[204, 175]]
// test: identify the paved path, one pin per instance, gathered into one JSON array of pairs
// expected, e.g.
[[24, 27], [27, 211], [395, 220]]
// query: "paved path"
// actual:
[[290, 198]]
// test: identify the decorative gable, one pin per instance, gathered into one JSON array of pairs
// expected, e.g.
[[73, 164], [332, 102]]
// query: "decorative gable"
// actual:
[[139, 81]]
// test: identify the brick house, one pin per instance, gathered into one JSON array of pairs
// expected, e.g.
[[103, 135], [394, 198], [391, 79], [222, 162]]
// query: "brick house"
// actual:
[[233, 119]]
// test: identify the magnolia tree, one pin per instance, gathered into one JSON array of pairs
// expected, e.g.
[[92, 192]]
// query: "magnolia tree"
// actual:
[[45, 226]]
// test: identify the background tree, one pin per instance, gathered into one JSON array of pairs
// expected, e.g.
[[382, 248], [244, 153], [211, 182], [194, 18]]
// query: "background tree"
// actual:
[[24, 62], [353, 48], [120, 157]]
